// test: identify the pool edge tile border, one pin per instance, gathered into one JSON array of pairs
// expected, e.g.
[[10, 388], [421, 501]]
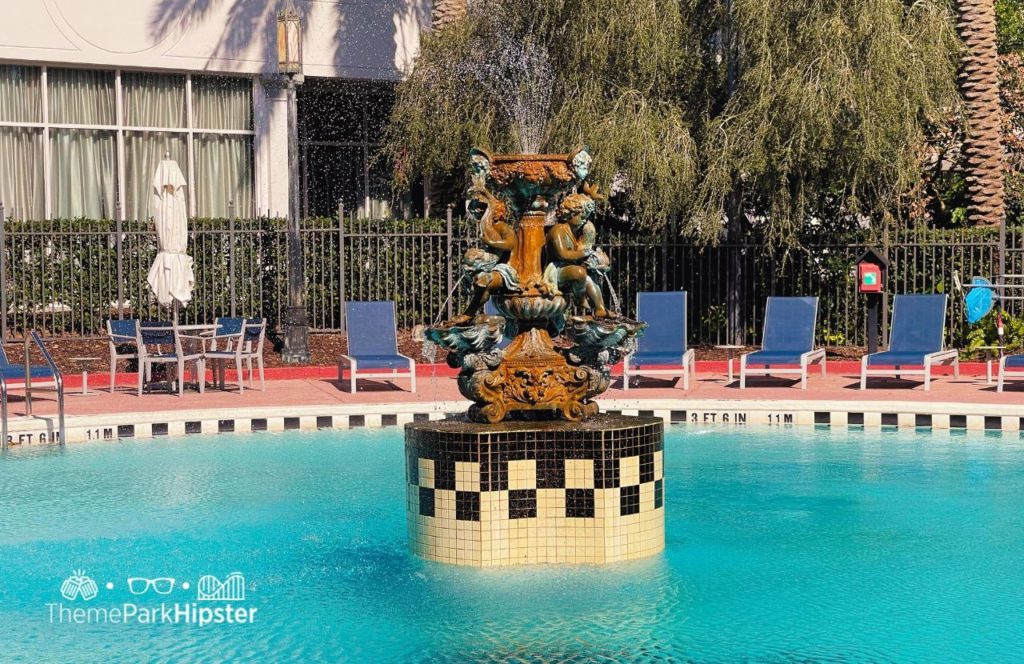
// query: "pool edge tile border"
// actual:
[[704, 412]]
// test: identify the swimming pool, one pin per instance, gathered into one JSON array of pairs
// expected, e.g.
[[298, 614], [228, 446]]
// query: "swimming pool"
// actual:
[[782, 545]]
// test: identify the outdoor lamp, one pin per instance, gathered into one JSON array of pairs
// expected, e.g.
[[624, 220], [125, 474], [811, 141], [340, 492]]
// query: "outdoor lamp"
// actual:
[[289, 42], [289, 65]]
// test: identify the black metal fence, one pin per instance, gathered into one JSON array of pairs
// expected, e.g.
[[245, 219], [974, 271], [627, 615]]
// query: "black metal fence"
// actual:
[[921, 261], [66, 277]]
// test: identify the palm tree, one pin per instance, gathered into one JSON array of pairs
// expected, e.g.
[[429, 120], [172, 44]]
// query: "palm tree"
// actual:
[[447, 11], [979, 84]]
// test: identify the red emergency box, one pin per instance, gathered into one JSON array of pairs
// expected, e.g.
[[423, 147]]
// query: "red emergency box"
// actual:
[[871, 272]]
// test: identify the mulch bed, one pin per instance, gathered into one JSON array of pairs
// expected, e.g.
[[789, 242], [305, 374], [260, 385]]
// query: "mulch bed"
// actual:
[[325, 349]]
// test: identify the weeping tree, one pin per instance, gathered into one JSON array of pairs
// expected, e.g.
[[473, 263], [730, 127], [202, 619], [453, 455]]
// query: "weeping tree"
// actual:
[[727, 114], [551, 75], [828, 112]]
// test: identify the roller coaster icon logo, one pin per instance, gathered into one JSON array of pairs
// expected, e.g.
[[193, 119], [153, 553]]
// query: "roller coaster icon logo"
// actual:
[[231, 589]]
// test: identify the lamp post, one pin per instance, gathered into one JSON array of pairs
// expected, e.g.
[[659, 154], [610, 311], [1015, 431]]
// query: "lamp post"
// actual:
[[289, 65]]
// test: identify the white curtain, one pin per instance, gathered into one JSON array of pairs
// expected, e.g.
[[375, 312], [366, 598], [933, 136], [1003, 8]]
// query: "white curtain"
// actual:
[[143, 151], [221, 103], [83, 172], [81, 96], [83, 175], [19, 94], [154, 100], [21, 172], [223, 163], [223, 173], [21, 148]]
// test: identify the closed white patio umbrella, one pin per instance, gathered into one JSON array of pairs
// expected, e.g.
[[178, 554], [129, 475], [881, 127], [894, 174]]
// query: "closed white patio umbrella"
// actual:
[[171, 278]]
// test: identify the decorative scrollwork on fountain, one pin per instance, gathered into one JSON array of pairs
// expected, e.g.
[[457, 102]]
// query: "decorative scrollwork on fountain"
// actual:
[[512, 198]]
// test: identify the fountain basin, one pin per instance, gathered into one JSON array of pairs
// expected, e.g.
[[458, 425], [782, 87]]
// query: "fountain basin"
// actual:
[[602, 333], [479, 335], [516, 493]]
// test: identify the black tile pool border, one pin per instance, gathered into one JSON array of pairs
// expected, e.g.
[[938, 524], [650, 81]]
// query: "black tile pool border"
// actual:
[[724, 414]]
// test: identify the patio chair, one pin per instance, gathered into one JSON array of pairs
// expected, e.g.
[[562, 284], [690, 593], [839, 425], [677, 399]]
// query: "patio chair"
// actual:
[[915, 340], [242, 348], [226, 331], [121, 334], [31, 378], [787, 345], [663, 344], [373, 344], [161, 342], [1010, 366]]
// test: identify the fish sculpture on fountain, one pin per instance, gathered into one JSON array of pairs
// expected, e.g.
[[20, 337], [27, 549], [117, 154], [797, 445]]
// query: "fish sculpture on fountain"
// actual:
[[539, 260]]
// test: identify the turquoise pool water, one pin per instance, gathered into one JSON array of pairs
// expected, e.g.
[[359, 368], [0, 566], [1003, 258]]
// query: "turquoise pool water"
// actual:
[[782, 545]]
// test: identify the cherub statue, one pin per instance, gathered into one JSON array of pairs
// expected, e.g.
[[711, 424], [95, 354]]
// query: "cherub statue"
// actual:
[[490, 271], [570, 244], [581, 161], [598, 262], [479, 164]]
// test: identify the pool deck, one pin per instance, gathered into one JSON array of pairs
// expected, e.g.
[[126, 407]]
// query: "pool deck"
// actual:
[[312, 398]]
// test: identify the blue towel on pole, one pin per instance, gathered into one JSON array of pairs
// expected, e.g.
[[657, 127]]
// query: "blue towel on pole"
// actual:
[[979, 300]]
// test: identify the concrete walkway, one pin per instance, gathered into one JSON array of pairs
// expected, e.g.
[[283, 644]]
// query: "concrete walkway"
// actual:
[[437, 384]]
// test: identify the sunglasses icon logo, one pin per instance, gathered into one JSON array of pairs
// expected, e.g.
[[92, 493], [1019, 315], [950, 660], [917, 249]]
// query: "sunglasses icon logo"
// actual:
[[138, 585]]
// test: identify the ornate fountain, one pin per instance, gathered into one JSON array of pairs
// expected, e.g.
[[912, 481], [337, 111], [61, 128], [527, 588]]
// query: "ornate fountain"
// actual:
[[533, 473], [532, 271]]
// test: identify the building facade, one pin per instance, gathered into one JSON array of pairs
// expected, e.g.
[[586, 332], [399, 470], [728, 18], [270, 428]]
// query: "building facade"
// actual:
[[93, 94]]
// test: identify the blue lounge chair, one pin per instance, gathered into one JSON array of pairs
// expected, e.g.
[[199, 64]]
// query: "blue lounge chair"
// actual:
[[373, 344], [915, 340], [787, 346], [1010, 366], [664, 342], [30, 377]]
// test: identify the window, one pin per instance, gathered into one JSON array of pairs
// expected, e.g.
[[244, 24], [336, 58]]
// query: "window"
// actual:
[[83, 169], [340, 127], [21, 143], [85, 143]]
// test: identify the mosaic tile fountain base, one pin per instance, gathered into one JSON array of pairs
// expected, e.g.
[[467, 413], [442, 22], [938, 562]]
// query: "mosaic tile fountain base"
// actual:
[[536, 492]]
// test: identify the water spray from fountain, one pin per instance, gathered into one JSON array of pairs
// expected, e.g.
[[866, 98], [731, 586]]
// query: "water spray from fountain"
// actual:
[[515, 71]]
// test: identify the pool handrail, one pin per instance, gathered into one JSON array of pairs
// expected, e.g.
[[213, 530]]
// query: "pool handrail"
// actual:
[[54, 374]]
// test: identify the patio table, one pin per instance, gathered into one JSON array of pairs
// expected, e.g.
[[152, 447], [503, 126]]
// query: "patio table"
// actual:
[[199, 327], [83, 364], [992, 355], [730, 352], [208, 332]]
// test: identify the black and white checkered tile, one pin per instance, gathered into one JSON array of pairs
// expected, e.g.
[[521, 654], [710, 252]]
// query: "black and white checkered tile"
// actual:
[[570, 465]]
